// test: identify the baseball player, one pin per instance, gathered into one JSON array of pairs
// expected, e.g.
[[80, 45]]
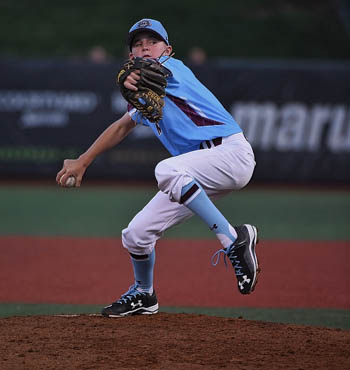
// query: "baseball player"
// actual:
[[210, 158]]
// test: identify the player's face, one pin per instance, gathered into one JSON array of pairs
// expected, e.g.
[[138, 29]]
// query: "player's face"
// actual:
[[147, 46]]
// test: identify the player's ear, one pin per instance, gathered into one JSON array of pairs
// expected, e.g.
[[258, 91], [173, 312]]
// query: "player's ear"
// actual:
[[168, 50], [131, 56]]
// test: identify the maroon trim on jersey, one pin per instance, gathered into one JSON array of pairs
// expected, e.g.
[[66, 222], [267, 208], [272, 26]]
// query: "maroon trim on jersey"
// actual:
[[192, 114]]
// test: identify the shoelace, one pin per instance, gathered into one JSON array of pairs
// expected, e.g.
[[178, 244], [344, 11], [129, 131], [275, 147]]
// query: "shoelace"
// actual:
[[131, 293], [231, 256]]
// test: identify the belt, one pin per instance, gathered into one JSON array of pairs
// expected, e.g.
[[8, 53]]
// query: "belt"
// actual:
[[210, 143]]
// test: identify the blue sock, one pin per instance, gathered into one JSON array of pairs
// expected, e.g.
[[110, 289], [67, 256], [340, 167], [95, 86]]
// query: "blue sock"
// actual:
[[143, 271], [196, 199]]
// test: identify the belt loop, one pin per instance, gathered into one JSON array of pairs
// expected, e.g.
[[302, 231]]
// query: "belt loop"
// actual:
[[217, 141], [207, 144]]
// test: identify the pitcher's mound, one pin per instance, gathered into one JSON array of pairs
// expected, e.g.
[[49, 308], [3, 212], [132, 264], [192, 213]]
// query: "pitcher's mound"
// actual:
[[167, 341]]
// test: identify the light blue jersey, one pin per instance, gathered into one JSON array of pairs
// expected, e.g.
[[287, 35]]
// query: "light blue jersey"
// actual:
[[191, 114]]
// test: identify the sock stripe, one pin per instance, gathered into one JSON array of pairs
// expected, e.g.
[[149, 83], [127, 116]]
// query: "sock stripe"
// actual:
[[192, 197], [139, 257], [189, 193]]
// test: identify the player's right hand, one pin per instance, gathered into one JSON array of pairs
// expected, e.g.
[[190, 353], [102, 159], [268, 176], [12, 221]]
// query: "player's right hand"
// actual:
[[71, 167]]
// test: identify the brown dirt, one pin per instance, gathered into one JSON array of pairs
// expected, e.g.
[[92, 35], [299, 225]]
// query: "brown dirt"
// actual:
[[76, 270], [97, 270], [167, 341]]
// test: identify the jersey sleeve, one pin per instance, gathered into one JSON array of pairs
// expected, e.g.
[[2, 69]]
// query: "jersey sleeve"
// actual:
[[136, 116]]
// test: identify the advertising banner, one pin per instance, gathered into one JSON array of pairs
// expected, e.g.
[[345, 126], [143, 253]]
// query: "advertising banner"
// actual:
[[296, 116]]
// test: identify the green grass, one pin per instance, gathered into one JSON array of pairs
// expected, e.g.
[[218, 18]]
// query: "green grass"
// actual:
[[105, 211], [330, 318]]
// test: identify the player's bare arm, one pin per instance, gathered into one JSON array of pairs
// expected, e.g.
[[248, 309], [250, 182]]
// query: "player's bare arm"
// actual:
[[112, 136]]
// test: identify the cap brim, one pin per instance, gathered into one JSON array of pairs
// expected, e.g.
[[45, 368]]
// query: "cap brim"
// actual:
[[133, 34]]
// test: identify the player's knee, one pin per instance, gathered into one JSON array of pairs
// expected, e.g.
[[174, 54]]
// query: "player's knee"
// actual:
[[171, 179], [164, 173], [133, 242], [131, 236]]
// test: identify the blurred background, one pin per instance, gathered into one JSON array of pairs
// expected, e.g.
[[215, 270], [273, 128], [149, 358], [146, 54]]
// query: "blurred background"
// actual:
[[281, 67]]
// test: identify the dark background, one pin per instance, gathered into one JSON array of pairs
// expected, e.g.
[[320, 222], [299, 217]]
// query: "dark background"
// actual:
[[293, 29], [290, 58]]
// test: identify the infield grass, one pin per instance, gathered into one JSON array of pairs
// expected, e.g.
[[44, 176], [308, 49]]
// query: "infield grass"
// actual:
[[104, 211], [331, 318]]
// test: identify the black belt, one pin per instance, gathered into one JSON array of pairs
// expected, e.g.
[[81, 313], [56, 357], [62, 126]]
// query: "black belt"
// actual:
[[209, 143]]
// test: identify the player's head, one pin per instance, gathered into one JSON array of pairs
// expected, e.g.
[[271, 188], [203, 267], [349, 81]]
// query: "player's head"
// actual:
[[149, 25], [153, 30]]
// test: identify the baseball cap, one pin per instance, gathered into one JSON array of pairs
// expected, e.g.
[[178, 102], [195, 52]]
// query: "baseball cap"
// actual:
[[149, 25]]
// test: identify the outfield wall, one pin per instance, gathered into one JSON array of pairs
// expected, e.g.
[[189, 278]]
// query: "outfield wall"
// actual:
[[295, 114]]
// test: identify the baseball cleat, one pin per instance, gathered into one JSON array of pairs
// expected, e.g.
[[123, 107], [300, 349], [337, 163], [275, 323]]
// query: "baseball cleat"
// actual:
[[132, 302], [243, 257]]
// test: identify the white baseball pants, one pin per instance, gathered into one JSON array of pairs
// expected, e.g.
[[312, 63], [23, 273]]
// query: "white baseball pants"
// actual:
[[219, 170]]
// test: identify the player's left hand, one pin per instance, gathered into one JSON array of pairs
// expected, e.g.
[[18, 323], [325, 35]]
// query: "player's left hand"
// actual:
[[142, 82], [132, 80]]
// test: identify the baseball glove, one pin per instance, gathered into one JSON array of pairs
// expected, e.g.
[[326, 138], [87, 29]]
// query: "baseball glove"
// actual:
[[151, 86]]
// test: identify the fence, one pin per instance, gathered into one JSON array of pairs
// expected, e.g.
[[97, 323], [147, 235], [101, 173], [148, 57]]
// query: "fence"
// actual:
[[295, 114]]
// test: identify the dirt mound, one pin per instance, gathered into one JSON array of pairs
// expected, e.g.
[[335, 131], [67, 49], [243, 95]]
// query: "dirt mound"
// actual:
[[167, 341]]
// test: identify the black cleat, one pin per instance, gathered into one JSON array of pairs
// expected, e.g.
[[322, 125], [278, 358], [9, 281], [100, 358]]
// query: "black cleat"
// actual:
[[132, 302], [243, 257]]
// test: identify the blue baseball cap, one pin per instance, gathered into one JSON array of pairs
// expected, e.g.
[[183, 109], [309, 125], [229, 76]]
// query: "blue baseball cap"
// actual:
[[148, 25]]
